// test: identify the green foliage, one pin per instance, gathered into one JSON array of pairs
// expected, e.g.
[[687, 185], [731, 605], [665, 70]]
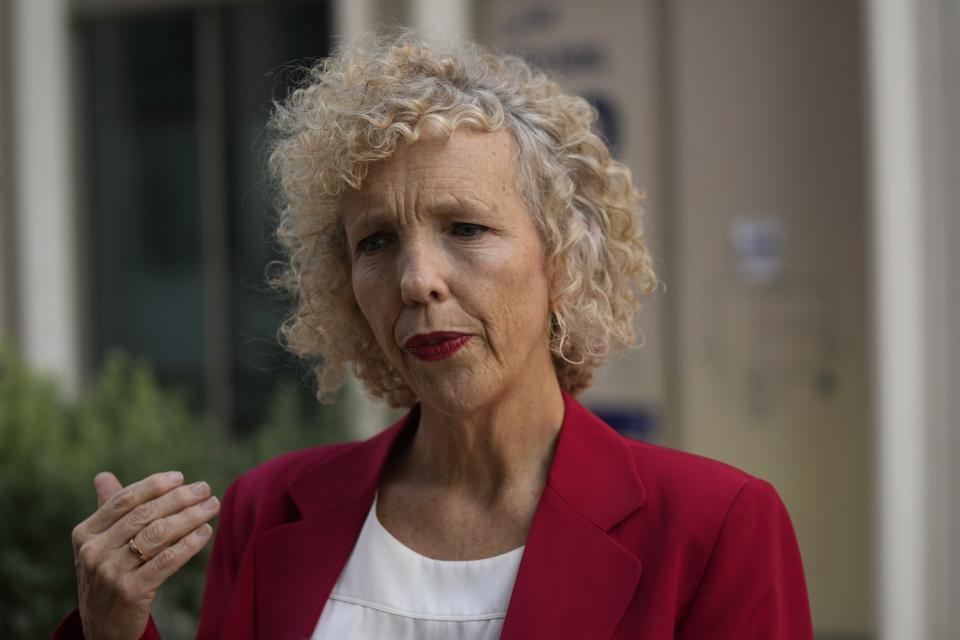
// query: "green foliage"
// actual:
[[51, 448]]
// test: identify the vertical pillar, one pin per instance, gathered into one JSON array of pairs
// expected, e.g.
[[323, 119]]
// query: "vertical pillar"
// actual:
[[915, 92], [8, 305], [43, 205], [352, 18], [452, 18]]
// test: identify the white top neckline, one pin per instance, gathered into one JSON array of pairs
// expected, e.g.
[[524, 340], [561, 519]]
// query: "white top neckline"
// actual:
[[387, 590]]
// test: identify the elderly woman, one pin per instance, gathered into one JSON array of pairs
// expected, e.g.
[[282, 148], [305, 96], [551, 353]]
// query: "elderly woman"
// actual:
[[460, 236]]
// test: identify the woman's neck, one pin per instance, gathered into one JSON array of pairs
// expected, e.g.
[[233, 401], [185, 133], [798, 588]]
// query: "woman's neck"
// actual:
[[489, 451]]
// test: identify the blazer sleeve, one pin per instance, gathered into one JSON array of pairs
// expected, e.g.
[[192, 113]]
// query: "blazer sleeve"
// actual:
[[753, 585], [222, 568]]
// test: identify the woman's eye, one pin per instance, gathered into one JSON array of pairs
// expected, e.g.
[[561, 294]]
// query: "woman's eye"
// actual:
[[468, 230], [372, 243]]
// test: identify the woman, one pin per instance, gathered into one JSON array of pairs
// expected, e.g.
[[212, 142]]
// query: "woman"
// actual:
[[460, 236]]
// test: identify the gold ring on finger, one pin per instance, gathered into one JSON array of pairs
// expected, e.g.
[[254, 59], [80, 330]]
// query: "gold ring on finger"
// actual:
[[136, 550]]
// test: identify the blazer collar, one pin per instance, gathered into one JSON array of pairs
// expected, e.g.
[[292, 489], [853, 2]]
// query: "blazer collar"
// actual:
[[353, 475], [574, 579], [592, 470]]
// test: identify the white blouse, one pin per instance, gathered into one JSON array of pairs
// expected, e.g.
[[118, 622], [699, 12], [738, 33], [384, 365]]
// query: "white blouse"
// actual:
[[388, 591]]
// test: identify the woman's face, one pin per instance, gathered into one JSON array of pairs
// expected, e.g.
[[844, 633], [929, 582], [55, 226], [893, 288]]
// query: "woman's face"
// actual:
[[448, 269]]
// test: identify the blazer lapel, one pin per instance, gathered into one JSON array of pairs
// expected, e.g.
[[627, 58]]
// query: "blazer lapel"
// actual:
[[296, 567], [575, 581], [297, 564]]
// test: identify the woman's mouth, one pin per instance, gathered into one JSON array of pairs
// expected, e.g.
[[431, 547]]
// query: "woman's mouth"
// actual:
[[436, 346]]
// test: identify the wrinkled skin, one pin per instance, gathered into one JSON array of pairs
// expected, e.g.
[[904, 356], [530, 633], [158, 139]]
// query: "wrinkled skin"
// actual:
[[166, 520]]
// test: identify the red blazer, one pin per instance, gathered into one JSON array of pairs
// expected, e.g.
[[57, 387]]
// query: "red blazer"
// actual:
[[629, 540]]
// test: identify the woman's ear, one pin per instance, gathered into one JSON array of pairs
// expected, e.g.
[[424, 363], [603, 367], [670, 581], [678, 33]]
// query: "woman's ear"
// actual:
[[552, 288], [553, 284]]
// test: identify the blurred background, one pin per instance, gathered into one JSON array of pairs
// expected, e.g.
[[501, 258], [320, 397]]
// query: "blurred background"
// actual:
[[801, 161]]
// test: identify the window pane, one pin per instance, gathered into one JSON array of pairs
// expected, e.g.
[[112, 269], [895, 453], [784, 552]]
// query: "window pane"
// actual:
[[142, 174], [144, 187], [262, 43]]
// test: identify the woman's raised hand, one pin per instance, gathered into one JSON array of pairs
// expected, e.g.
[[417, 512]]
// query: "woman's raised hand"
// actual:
[[138, 537]]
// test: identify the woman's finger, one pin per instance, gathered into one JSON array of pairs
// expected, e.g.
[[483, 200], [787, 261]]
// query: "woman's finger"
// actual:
[[164, 532], [147, 513], [106, 484], [168, 561], [128, 498]]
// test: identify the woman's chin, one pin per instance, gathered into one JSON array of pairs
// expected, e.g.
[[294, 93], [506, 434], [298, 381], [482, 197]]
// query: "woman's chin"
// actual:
[[471, 380], [458, 390]]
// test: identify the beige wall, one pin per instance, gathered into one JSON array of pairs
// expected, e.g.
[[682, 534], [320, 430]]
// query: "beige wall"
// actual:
[[747, 116], [768, 126]]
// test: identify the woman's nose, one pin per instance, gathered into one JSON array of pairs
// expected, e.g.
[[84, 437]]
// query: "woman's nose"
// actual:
[[422, 275]]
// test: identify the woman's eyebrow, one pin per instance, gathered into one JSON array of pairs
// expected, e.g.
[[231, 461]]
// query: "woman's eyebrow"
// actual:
[[370, 218], [378, 215], [452, 204]]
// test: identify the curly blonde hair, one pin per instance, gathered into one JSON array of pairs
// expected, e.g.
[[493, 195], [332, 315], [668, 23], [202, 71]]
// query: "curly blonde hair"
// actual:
[[355, 108]]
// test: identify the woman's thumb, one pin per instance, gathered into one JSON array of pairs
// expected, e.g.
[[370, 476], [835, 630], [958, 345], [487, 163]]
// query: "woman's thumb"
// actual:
[[106, 485]]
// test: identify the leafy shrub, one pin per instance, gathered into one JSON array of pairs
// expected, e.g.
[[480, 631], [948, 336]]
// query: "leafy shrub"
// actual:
[[51, 448]]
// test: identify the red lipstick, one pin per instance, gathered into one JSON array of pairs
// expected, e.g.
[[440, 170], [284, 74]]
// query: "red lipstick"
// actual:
[[437, 345]]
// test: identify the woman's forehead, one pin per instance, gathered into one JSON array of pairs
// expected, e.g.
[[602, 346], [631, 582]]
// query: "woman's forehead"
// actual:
[[469, 169], [480, 151]]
